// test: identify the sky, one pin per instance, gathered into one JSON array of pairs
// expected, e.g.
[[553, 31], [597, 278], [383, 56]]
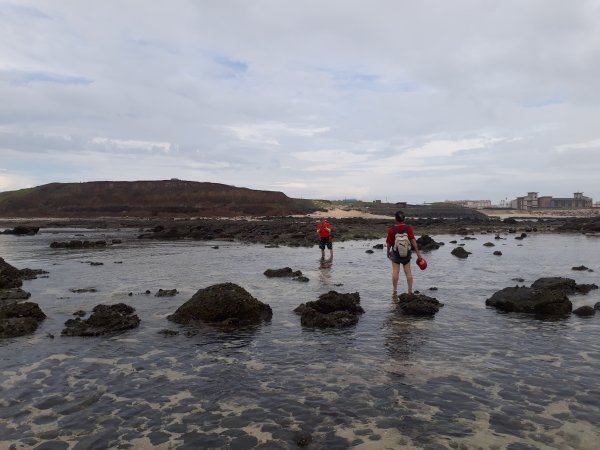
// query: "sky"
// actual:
[[396, 100]]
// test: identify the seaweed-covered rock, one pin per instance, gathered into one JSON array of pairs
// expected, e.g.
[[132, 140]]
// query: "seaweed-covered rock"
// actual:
[[104, 319], [225, 304], [460, 252], [283, 272], [18, 319], [418, 304], [489, 244], [584, 311], [529, 300], [331, 310], [566, 285]]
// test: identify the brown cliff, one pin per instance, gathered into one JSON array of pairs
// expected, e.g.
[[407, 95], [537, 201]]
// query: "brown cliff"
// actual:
[[166, 198]]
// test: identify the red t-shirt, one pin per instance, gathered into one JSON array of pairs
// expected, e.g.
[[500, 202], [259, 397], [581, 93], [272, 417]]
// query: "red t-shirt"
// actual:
[[324, 229], [392, 233]]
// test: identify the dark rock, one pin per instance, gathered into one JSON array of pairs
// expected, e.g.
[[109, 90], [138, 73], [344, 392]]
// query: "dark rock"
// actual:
[[216, 247], [427, 243], [167, 332], [597, 306], [579, 268], [565, 285], [18, 319], [94, 263], [531, 300], [453, 242], [369, 251], [418, 304], [433, 288], [331, 310], [79, 313], [489, 244], [31, 274], [510, 220], [116, 241], [77, 244], [378, 246], [147, 292], [498, 253], [469, 238], [520, 280], [103, 320], [301, 278], [22, 230], [284, 272], [82, 290], [10, 276], [584, 311], [460, 252], [14, 294], [302, 439], [225, 304], [166, 293]]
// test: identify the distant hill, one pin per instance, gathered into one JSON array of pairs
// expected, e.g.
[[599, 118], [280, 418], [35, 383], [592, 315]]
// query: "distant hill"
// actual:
[[147, 199]]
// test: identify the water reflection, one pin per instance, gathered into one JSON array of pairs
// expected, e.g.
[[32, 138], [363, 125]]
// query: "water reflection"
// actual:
[[325, 271]]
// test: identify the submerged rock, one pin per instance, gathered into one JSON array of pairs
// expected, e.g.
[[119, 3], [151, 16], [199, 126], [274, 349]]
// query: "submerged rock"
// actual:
[[19, 319], [76, 244], [166, 293], [224, 304], [460, 252], [530, 300], [331, 310], [418, 304], [103, 320]]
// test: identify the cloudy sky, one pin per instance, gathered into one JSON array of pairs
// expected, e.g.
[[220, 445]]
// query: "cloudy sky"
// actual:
[[401, 100]]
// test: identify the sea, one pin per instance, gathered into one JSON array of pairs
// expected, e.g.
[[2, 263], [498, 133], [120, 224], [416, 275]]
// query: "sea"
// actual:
[[469, 378]]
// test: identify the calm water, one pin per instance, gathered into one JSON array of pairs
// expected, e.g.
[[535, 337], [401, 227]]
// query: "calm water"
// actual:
[[469, 378]]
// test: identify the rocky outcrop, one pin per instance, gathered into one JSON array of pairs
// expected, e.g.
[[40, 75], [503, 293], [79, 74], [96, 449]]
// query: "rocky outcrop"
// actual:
[[77, 244], [105, 319], [460, 252], [331, 310], [11, 280], [497, 253], [22, 230], [18, 319], [565, 285], [545, 302], [581, 268], [225, 304], [418, 304]]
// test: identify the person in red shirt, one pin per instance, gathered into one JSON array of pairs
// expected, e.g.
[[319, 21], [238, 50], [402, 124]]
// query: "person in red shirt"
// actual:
[[324, 230], [394, 256]]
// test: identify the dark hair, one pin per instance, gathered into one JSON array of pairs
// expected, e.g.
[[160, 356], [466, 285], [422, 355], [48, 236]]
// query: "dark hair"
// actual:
[[399, 216]]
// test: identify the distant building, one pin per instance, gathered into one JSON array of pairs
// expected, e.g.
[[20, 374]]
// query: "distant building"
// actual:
[[532, 201], [376, 201], [401, 204], [476, 204]]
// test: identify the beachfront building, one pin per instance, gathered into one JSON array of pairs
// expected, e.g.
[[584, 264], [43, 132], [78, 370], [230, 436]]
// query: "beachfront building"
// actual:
[[476, 204], [532, 201]]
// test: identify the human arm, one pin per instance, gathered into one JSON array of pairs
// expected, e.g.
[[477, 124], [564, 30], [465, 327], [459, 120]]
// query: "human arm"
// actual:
[[415, 247]]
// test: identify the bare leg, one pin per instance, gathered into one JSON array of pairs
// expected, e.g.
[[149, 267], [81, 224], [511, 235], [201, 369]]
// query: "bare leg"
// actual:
[[331, 253], [395, 276], [409, 277]]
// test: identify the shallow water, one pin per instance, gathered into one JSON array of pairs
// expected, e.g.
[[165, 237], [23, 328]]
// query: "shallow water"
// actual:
[[469, 378]]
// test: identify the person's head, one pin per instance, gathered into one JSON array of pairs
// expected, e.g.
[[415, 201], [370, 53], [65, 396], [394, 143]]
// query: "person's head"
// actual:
[[399, 216], [323, 219]]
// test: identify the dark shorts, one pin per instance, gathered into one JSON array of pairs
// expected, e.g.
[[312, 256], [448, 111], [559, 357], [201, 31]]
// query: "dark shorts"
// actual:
[[397, 259], [325, 242]]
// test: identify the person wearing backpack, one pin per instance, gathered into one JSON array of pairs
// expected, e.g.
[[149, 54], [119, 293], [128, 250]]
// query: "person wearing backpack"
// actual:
[[400, 243], [324, 231]]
